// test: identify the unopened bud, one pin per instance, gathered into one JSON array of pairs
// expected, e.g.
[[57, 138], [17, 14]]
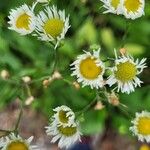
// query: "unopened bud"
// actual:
[[99, 106], [46, 83], [4, 74], [29, 100], [26, 79], [56, 75], [123, 51], [113, 99], [76, 85], [43, 1]]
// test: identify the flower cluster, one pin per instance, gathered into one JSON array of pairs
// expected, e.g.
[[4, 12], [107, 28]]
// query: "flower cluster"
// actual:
[[90, 70], [131, 9], [49, 25], [15, 142], [64, 127]]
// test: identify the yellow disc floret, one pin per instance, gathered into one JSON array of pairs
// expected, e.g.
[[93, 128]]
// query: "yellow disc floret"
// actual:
[[126, 71], [132, 5], [89, 68], [115, 3], [143, 126], [144, 147], [23, 22], [63, 116], [67, 131], [54, 27], [17, 145]]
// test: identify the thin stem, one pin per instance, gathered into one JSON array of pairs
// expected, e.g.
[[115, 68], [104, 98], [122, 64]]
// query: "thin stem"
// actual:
[[125, 33], [18, 120], [55, 61]]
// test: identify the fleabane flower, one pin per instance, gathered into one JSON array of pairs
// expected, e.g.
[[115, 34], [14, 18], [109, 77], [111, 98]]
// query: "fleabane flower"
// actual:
[[13, 142], [125, 73], [22, 20], [63, 116], [112, 6], [63, 127], [89, 69], [141, 126], [52, 25], [133, 9]]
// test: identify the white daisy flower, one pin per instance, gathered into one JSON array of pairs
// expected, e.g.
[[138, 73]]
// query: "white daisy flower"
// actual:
[[125, 73], [141, 126], [67, 136], [52, 25], [133, 9], [13, 142], [63, 116], [112, 6], [22, 20], [89, 69]]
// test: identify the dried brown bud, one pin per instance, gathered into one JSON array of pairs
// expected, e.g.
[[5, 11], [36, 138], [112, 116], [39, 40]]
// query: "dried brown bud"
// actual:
[[76, 85], [29, 100], [123, 51], [113, 99], [5, 74], [99, 106], [26, 79]]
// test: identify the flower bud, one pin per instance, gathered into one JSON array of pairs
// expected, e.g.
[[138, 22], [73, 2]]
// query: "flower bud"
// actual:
[[26, 79], [99, 106], [29, 100], [113, 99], [76, 85], [5, 74]]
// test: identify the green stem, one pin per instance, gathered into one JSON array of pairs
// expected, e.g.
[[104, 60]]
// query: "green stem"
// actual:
[[125, 33], [55, 61], [18, 120]]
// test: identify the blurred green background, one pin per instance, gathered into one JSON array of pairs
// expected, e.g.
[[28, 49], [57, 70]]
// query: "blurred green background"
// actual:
[[25, 55]]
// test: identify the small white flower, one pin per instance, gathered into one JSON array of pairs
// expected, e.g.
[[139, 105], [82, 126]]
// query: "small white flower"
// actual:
[[22, 20], [67, 136], [112, 6], [13, 142], [125, 73], [133, 9], [89, 69], [141, 126], [52, 25], [63, 116]]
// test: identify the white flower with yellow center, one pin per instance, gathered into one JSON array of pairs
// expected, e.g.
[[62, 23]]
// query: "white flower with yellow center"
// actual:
[[125, 73], [63, 116], [67, 136], [133, 9], [52, 25], [112, 6], [13, 142], [22, 20], [89, 69], [141, 126]]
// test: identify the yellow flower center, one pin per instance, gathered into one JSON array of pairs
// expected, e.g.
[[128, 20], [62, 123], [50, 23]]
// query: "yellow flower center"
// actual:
[[144, 147], [54, 27], [23, 22], [89, 68], [115, 3], [17, 145], [144, 125], [67, 131], [63, 116], [132, 5], [125, 71]]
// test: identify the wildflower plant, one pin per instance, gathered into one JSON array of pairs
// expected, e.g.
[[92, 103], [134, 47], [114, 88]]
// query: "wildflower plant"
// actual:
[[106, 77]]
